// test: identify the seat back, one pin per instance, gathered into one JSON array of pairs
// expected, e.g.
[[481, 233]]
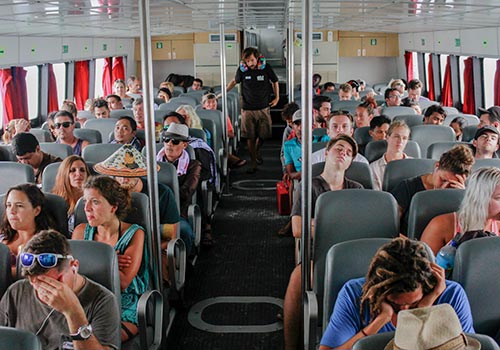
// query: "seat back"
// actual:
[[399, 170], [426, 205], [185, 100], [477, 267], [316, 146], [216, 117], [90, 135], [118, 113], [347, 215], [376, 149], [362, 135], [349, 106], [99, 152], [468, 133], [6, 153], [49, 176], [198, 133], [13, 173], [161, 113], [438, 148], [319, 132], [410, 119], [470, 119], [5, 269], [104, 126], [336, 275], [41, 135], [18, 339], [168, 176], [380, 340], [56, 149], [392, 112], [426, 135], [483, 163], [358, 171], [55, 205]]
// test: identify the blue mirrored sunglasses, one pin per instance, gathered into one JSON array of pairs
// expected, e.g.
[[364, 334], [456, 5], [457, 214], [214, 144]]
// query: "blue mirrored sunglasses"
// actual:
[[46, 260]]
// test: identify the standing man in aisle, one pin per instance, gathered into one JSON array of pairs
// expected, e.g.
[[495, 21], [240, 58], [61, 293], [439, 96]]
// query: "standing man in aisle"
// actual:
[[256, 77]]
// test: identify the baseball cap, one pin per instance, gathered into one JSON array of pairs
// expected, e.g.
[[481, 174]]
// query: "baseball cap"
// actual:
[[297, 116], [492, 111], [484, 129]]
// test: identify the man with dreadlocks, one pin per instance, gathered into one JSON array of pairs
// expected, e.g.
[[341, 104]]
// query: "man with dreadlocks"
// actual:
[[400, 277]]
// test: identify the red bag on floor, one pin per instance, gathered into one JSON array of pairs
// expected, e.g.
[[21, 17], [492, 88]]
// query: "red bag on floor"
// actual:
[[282, 198]]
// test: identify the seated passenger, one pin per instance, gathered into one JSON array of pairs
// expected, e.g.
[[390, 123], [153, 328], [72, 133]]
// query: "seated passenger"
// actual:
[[451, 171], [458, 125], [414, 92], [165, 94], [340, 152], [64, 124], [63, 308], [338, 124], [345, 92], [399, 85], [293, 150], [106, 204], [322, 106], [100, 108], [71, 175], [401, 276], [490, 116], [120, 90], [364, 112], [175, 140], [413, 105], [397, 138], [437, 327], [135, 182], [14, 127], [114, 102], [25, 215], [286, 114], [134, 86], [479, 210], [379, 127], [126, 133], [27, 150], [486, 142], [434, 115], [52, 127], [197, 84], [392, 99], [328, 87]]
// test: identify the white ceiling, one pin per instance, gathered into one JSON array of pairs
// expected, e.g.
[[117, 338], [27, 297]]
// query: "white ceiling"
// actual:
[[120, 18]]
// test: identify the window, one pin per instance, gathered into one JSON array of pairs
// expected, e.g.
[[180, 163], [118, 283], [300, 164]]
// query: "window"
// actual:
[[426, 65], [33, 87], [442, 61], [489, 69], [416, 74], [461, 67], [60, 74], [99, 66]]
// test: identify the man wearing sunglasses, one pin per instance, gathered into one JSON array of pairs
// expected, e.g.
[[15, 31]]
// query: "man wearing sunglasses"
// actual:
[[63, 308], [64, 125], [27, 150]]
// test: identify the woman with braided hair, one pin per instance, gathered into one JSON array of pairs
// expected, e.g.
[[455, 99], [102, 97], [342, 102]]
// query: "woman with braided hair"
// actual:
[[401, 276]]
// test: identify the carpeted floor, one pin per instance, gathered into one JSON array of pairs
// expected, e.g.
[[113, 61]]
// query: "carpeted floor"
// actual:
[[248, 259]]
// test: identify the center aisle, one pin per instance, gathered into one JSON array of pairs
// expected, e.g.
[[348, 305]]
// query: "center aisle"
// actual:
[[247, 260]]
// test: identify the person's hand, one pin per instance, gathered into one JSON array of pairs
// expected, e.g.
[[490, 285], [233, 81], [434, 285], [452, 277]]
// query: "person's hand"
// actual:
[[274, 102], [124, 261], [55, 294], [429, 299], [286, 177], [21, 125], [386, 311], [459, 183]]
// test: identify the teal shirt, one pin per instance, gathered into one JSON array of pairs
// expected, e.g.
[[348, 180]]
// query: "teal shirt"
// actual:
[[293, 153]]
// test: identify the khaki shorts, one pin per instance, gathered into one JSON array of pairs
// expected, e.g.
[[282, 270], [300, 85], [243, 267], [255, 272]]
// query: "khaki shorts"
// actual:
[[256, 123]]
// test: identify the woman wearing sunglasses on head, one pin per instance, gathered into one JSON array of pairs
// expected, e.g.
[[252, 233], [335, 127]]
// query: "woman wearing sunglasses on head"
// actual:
[[25, 215], [106, 205]]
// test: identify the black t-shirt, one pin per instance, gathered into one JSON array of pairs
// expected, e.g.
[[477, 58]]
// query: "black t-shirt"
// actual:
[[256, 87], [403, 193]]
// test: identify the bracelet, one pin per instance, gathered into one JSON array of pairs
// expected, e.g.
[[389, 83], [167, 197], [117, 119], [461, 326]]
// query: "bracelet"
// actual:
[[364, 333]]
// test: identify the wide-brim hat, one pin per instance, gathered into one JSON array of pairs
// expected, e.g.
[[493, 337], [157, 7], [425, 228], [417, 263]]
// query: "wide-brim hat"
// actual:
[[436, 327], [126, 161]]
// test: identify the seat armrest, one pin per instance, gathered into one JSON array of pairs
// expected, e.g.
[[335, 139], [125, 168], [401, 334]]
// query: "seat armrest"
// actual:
[[150, 314], [176, 256], [207, 195], [310, 320], [223, 162], [194, 219]]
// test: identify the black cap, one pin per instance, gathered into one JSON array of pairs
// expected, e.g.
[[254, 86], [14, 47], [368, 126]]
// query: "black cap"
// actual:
[[24, 143], [492, 111], [484, 129]]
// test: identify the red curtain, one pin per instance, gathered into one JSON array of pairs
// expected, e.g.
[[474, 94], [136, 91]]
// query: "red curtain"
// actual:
[[53, 104], [496, 88], [14, 93], [430, 74], [81, 83], [118, 69], [107, 82], [409, 65], [446, 96], [469, 106]]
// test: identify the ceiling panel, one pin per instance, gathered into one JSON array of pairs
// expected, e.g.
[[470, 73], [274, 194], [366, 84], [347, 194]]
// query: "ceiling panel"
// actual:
[[120, 18]]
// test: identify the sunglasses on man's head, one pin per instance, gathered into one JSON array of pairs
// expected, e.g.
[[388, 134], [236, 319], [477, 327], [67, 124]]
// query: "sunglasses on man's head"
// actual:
[[63, 124], [174, 141], [46, 260]]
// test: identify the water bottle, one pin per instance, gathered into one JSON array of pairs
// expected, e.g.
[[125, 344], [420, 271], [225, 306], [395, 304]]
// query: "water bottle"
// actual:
[[446, 256]]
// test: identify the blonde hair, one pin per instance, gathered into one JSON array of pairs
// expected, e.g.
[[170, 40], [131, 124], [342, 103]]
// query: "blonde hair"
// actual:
[[195, 119], [9, 132]]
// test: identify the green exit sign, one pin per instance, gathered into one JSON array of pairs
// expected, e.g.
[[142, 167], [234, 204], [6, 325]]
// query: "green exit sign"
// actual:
[[104, 47], [457, 42], [65, 48], [2, 51], [373, 42], [159, 45]]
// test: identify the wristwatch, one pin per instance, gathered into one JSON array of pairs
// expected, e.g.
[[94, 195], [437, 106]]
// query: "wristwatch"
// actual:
[[83, 333]]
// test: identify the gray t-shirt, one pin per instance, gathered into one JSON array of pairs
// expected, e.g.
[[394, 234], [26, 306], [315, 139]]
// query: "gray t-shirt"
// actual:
[[20, 308]]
